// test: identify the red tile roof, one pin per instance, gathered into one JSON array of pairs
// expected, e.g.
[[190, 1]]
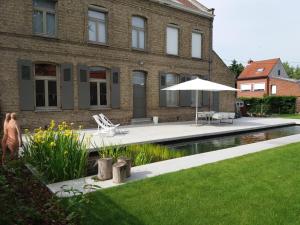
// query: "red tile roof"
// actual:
[[252, 70]]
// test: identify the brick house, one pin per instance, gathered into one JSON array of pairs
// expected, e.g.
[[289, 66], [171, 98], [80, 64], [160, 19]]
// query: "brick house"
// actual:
[[67, 60], [266, 78]]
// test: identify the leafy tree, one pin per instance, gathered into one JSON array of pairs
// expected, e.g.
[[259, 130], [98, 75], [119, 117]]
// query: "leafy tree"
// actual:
[[236, 68], [293, 72]]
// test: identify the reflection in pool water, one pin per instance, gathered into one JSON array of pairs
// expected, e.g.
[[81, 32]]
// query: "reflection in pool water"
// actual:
[[216, 143]]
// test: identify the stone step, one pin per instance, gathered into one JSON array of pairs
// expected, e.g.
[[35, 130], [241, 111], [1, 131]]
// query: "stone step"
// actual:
[[141, 121]]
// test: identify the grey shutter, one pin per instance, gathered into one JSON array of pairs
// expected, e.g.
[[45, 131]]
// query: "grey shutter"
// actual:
[[216, 101], [83, 87], [67, 90], [205, 95], [115, 88], [184, 96], [162, 94], [26, 85]]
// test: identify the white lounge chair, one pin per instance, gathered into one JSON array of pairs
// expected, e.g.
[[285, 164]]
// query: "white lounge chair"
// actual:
[[107, 121], [103, 128]]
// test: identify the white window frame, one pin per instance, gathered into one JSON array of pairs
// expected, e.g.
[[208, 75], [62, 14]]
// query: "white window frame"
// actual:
[[176, 82], [138, 30], [272, 90], [173, 26], [46, 79], [246, 90], [45, 11], [259, 84], [98, 81], [96, 20], [201, 44]]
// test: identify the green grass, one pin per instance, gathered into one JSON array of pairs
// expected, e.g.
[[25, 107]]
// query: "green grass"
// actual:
[[258, 189], [289, 116]]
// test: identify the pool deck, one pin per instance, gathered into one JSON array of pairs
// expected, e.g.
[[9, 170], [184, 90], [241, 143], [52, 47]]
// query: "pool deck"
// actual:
[[171, 131]]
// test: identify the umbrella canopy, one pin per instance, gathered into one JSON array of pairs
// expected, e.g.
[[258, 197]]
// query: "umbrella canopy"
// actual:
[[199, 85]]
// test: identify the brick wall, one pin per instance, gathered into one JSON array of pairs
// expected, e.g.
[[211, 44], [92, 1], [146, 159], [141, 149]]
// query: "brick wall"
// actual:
[[71, 46], [252, 93], [285, 88]]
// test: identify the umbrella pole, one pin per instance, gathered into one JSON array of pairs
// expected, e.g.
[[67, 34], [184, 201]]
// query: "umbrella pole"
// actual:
[[196, 118]]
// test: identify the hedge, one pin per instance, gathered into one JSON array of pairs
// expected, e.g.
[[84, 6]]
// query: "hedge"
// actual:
[[271, 105]]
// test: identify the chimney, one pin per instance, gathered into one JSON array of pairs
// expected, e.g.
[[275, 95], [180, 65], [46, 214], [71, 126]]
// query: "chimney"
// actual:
[[250, 61]]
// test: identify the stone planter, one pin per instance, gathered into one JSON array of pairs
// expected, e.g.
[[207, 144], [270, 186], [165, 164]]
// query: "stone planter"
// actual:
[[105, 168]]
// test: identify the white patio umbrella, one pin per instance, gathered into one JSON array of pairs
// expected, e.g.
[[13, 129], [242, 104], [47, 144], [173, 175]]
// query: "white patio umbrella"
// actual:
[[199, 85]]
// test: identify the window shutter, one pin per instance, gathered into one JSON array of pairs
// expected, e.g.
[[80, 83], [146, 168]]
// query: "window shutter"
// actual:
[[205, 95], [184, 96], [216, 101], [162, 94], [83, 87], [26, 85], [115, 88], [67, 91]]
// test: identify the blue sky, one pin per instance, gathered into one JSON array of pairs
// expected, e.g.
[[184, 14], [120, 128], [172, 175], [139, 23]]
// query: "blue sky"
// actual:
[[256, 29]]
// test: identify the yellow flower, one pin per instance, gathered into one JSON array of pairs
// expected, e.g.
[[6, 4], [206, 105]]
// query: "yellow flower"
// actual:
[[52, 144]]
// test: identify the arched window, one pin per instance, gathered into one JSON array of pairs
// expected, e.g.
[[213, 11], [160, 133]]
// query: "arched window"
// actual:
[[138, 32], [99, 87], [46, 85]]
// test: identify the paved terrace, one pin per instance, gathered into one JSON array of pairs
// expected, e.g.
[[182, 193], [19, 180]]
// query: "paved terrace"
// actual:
[[170, 131], [162, 132]]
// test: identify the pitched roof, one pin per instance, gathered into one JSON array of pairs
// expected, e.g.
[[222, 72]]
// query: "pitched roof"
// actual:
[[191, 6], [258, 69]]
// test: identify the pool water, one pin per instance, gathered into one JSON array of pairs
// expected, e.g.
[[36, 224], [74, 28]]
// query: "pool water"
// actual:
[[217, 143]]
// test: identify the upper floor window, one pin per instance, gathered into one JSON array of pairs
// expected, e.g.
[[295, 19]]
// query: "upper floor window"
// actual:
[[278, 72], [46, 86], [138, 32], [98, 87], [44, 17], [172, 40], [97, 26], [196, 45], [172, 97]]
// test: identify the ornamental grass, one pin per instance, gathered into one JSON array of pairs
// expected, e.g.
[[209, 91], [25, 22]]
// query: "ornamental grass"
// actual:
[[58, 152]]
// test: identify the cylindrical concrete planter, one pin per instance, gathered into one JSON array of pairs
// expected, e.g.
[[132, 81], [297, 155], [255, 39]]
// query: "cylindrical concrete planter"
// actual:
[[105, 168], [119, 172], [155, 119], [128, 165]]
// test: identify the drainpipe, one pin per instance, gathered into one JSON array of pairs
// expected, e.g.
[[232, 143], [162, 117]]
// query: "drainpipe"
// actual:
[[210, 55]]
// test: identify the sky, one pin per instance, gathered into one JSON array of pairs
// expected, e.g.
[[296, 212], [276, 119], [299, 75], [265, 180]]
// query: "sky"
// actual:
[[256, 29]]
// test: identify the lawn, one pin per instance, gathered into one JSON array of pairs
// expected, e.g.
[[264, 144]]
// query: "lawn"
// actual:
[[289, 116], [258, 189]]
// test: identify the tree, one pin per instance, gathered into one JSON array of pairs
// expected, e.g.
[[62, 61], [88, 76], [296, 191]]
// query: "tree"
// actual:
[[236, 68], [293, 72]]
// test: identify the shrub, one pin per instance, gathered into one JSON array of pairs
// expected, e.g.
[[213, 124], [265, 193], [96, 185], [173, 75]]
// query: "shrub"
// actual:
[[58, 153], [271, 105], [140, 153]]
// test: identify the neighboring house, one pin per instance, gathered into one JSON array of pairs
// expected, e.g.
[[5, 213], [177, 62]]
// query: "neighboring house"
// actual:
[[266, 78], [67, 60]]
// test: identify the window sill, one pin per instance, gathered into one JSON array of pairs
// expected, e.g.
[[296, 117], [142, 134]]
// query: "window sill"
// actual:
[[91, 43], [99, 108], [48, 110], [46, 37], [172, 56], [140, 50], [197, 59]]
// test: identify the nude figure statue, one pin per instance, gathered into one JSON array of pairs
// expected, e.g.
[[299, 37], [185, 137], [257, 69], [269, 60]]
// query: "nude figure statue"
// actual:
[[4, 138], [14, 140]]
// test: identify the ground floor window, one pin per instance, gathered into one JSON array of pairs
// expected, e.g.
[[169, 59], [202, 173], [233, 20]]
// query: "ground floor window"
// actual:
[[172, 97], [46, 84], [273, 89], [98, 87]]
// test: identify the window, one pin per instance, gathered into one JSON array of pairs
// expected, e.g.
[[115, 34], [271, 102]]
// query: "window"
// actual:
[[138, 32], [45, 86], [245, 87], [273, 89], [98, 87], [97, 26], [171, 96], [196, 45], [172, 40], [259, 87], [260, 70], [44, 18], [278, 72]]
